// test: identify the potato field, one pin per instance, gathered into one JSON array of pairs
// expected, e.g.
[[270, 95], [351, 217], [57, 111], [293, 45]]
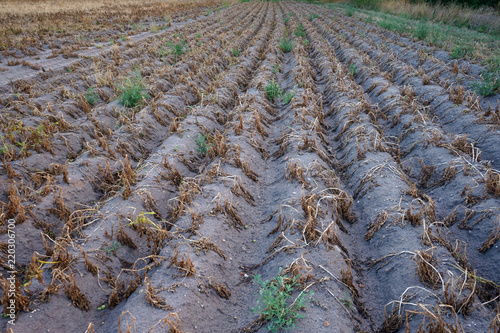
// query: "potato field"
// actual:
[[250, 168]]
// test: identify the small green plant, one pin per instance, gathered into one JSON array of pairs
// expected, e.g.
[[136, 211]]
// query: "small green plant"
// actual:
[[273, 90], [306, 42], [177, 49], [23, 146], [489, 85], [274, 304], [312, 17], [300, 31], [347, 301], [352, 69], [287, 98], [123, 37], [133, 91], [286, 19], [286, 44], [349, 11], [461, 51], [111, 42], [201, 143], [421, 32], [236, 52], [112, 248], [369, 19], [102, 307], [143, 219], [493, 64], [276, 69], [91, 96]]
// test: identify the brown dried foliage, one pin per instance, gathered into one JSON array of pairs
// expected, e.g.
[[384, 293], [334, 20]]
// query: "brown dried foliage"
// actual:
[[75, 295], [492, 239], [426, 268], [171, 174], [492, 183], [89, 265], [204, 244], [221, 290], [377, 224], [185, 265], [152, 297], [124, 238]]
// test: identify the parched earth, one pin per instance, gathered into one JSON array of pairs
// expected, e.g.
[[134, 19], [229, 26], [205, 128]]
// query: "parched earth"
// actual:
[[377, 186]]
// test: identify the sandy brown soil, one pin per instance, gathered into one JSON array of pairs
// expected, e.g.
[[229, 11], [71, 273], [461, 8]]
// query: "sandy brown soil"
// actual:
[[378, 185]]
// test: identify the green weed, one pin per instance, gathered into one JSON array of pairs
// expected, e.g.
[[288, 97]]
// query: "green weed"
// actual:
[[273, 90], [201, 143], [489, 85], [112, 249], [352, 69], [300, 31], [276, 69], [347, 301], [286, 44], [421, 32], [287, 98], [274, 304], [349, 11], [133, 91], [143, 219], [236, 52], [462, 51], [91, 96], [177, 49]]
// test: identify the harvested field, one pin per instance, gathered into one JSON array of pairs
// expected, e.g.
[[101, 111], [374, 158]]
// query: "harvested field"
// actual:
[[151, 178]]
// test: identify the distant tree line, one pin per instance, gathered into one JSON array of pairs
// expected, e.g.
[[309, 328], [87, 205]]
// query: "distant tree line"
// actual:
[[374, 4], [471, 3]]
